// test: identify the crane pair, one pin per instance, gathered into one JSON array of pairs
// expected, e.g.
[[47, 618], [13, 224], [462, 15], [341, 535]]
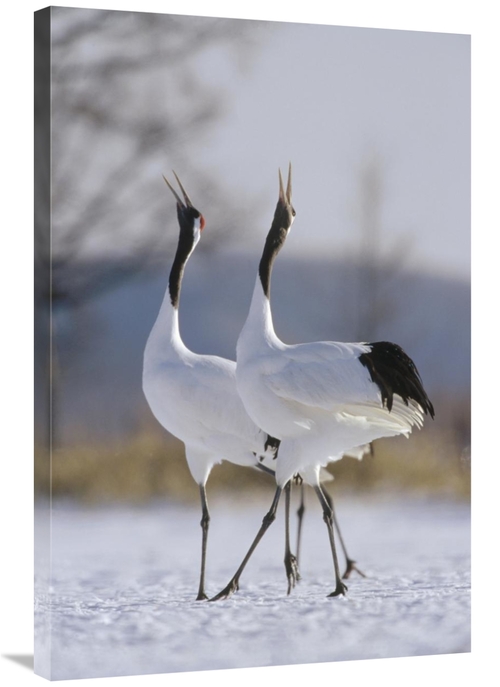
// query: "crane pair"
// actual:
[[289, 410]]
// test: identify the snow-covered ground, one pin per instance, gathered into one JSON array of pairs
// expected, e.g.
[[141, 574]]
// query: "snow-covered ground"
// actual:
[[124, 582]]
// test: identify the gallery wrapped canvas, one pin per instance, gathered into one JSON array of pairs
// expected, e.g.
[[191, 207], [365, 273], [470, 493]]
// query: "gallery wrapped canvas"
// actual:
[[229, 475]]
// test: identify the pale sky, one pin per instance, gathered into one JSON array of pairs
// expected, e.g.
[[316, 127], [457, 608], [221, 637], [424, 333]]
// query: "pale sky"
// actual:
[[327, 98]]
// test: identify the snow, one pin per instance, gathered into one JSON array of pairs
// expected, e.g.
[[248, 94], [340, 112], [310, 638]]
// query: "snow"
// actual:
[[124, 580]]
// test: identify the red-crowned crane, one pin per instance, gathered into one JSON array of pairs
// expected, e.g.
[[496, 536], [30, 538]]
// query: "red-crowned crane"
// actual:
[[319, 399], [194, 396]]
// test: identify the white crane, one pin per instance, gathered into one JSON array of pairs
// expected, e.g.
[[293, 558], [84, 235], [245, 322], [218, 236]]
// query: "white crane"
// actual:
[[319, 399], [194, 396]]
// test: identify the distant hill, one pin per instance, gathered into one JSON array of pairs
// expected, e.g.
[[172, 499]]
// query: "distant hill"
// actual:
[[101, 343]]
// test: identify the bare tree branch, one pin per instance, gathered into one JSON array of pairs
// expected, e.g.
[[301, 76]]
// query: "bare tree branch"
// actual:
[[128, 98]]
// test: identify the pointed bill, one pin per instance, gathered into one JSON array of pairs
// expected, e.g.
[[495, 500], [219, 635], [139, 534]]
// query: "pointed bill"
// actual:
[[183, 203], [177, 197], [289, 184], [282, 192], [186, 197]]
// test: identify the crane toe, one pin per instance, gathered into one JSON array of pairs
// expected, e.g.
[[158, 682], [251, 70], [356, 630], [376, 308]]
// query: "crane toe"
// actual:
[[351, 567], [340, 589], [228, 591]]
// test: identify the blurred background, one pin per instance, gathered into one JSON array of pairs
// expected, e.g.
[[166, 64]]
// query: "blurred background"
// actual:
[[377, 126]]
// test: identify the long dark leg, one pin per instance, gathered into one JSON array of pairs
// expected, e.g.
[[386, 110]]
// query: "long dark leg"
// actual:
[[300, 514], [205, 519], [291, 565], [269, 518], [340, 587], [350, 563]]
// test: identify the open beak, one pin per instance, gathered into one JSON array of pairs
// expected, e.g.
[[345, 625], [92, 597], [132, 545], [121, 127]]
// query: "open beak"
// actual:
[[187, 202], [286, 197]]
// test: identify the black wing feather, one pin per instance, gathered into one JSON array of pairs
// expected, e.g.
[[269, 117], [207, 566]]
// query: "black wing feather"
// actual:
[[394, 372]]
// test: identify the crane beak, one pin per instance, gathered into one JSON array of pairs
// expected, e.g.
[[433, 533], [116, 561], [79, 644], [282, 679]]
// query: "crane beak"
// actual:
[[289, 184], [282, 192], [187, 202], [286, 197]]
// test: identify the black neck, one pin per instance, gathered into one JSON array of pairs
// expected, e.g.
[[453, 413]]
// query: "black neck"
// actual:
[[184, 248], [274, 241]]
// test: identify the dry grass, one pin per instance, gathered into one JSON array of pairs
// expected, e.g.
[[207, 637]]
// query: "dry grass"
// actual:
[[152, 465], [426, 463]]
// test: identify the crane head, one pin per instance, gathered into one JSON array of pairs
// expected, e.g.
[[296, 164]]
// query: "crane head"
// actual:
[[190, 219]]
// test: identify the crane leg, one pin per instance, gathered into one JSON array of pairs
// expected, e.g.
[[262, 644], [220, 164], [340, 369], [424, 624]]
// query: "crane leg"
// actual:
[[350, 563], [205, 520], [269, 518], [291, 565], [340, 587], [300, 515], [291, 561]]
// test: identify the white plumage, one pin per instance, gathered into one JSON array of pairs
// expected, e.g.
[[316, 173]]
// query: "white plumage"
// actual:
[[195, 398], [318, 398]]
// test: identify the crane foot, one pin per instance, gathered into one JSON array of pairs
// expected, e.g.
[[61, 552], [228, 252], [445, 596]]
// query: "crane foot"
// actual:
[[228, 591], [351, 567], [340, 589]]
